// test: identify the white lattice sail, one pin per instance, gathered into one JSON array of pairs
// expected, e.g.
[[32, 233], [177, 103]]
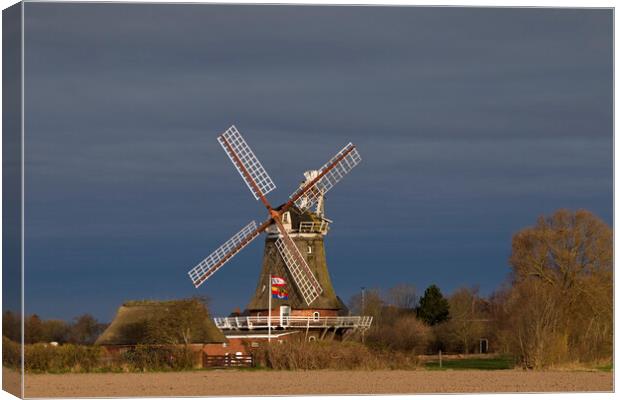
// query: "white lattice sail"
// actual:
[[300, 271], [343, 165], [222, 254], [243, 158]]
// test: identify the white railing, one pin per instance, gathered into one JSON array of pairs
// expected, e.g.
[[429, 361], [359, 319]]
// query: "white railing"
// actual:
[[292, 322], [313, 227]]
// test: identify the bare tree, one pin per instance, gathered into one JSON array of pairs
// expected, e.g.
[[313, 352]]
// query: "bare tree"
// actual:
[[369, 303], [56, 330], [536, 322], [85, 329], [562, 295], [405, 333], [563, 248], [11, 326], [403, 296], [466, 322], [33, 329]]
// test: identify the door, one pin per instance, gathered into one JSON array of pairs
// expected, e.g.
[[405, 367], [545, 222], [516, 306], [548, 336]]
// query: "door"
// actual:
[[285, 313], [484, 346]]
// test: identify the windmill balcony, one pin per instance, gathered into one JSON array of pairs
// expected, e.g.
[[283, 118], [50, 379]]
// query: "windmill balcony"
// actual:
[[293, 322], [313, 227], [310, 227]]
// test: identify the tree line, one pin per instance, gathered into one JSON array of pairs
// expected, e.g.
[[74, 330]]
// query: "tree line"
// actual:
[[555, 307], [84, 329]]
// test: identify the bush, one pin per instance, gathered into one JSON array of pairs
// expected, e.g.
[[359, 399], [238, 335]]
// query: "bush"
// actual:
[[406, 334], [11, 353], [294, 354], [43, 357], [297, 354], [157, 358], [38, 358], [80, 358]]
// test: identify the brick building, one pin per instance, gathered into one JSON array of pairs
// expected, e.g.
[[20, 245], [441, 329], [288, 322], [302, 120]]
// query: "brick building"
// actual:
[[166, 323]]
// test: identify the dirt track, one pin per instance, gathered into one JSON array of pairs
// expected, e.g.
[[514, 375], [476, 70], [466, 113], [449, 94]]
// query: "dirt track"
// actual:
[[231, 383]]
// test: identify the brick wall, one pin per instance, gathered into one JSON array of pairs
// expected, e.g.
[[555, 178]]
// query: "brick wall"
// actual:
[[275, 312], [220, 349], [310, 313]]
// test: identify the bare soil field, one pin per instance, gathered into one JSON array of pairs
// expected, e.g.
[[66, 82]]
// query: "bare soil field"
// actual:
[[237, 383], [11, 382]]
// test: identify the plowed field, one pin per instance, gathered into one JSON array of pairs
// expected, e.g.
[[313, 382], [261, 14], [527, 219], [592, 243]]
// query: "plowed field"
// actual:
[[231, 383]]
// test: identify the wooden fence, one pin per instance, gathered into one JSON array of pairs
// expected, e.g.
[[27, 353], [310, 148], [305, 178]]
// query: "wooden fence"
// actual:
[[227, 361]]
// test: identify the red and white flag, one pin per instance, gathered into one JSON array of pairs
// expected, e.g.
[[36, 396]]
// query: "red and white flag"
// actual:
[[277, 281]]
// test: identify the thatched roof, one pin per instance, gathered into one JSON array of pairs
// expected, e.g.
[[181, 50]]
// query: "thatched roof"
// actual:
[[161, 322]]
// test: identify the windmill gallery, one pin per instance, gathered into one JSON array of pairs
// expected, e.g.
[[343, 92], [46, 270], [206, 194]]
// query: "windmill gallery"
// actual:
[[294, 296]]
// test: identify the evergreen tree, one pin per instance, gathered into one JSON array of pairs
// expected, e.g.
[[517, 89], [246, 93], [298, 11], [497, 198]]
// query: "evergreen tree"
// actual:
[[433, 307]]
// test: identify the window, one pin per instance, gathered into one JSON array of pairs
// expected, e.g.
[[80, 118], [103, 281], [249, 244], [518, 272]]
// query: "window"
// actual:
[[316, 316], [224, 344], [311, 338], [309, 249], [285, 218]]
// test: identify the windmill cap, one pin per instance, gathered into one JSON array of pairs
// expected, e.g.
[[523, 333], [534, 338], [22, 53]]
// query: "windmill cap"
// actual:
[[311, 174]]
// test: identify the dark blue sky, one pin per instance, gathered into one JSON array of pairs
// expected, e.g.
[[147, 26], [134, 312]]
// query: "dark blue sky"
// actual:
[[471, 123]]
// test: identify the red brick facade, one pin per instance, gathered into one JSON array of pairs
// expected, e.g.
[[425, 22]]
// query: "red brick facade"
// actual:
[[221, 349], [296, 313]]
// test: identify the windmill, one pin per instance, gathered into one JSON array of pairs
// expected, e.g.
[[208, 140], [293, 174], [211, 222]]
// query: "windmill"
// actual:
[[308, 196]]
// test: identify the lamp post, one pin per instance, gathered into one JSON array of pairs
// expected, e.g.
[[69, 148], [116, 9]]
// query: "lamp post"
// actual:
[[363, 295], [363, 309], [269, 314]]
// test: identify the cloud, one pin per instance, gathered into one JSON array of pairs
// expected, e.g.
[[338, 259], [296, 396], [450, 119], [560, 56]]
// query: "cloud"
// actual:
[[471, 123]]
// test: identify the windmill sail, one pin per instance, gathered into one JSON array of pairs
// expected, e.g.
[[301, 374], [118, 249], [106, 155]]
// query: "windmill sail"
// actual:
[[260, 184], [331, 173], [300, 271], [247, 164], [223, 254]]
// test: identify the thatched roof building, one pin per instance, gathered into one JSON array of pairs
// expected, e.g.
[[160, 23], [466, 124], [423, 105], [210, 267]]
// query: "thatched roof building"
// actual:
[[161, 322]]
